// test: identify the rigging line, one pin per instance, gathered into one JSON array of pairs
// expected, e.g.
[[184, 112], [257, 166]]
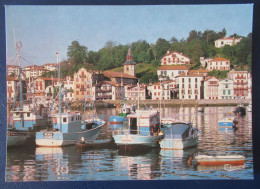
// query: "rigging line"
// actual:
[[26, 61]]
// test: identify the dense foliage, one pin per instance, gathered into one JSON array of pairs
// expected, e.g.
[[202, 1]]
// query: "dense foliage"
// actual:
[[198, 44]]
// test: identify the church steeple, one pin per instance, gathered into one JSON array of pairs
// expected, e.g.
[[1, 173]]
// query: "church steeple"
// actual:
[[129, 65]]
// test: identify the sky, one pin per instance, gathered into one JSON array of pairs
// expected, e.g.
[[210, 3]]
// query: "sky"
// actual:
[[45, 30]]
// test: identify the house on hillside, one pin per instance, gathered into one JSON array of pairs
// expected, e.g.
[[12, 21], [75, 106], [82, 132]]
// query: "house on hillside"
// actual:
[[50, 66], [174, 58], [68, 89], [12, 69], [240, 79], [160, 91], [133, 92], [119, 77], [226, 41], [34, 71], [219, 63]]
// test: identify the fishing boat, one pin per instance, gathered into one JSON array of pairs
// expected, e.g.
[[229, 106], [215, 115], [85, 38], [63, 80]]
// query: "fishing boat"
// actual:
[[143, 130], [240, 110], [219, 160], [228, 123], [125, 109], [26, 118], [180, 135], [68, 128]]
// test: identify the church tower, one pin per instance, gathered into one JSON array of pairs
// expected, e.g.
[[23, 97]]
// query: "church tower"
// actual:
[[129, 65]]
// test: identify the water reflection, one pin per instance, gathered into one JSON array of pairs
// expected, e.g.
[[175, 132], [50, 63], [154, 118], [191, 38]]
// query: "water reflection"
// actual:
[[72, 163]]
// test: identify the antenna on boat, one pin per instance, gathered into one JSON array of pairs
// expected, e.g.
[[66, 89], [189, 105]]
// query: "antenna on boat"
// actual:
[[59, 84]]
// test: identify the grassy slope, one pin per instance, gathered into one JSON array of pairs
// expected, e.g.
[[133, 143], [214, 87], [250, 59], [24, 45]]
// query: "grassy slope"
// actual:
[[141, 69]]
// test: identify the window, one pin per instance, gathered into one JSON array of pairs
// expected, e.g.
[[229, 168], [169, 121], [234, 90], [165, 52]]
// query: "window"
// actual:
[[196, 80], [72, 118], [182, 80], [226, 85], [189, 80], [28, 114], [224, 92], [64, 120], [229, 92]]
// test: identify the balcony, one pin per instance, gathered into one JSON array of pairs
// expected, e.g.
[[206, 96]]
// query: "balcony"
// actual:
[[82, 89], [103, 90]]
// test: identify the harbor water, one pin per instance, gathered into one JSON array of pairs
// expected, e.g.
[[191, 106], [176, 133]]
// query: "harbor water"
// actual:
[[72, 163]]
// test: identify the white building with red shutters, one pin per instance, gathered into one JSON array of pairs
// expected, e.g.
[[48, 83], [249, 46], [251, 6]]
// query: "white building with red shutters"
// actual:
[[174, 58], [219, 63], [12, 69], [190, 85], [240, 79], [169, 72], [226, 41], [68, 86], [108, 90], [50, 66], [160, 91], [34, 71], [211, 88], [11, 87], [133, 92]]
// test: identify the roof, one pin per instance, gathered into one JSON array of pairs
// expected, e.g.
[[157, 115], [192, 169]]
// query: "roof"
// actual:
[[199, 71], [111, 74], [49, 79], [171, 52], [107, 82], [210, 77], [228, 38], [218, 59], [130, 62], [173, 67], [12, 66], [43, 69], [9, 78]]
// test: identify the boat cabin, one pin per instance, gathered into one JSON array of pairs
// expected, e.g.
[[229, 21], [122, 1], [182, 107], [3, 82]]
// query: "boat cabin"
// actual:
[[179, 131], [143, 121], [67, 122]]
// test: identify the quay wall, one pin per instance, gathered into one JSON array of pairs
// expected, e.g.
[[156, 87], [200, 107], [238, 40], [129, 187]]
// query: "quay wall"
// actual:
[[168, 103]]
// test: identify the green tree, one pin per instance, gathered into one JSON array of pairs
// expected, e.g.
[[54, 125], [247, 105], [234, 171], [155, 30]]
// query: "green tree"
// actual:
[[77, 53], [161, 47]]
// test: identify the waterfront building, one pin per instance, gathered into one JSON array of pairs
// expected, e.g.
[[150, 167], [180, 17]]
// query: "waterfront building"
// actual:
[[68, 86], [226, 90], [132, 92], [80, 87], [160, 91], [174, 58], [249, 95], [169, 72], [190, 85], [129, 65], [34, 71], [219, 63], [211, 88], [226, 41], [108, 90], [50, 66], [11, 87], [240, 79], [42, 87], [12, 69]]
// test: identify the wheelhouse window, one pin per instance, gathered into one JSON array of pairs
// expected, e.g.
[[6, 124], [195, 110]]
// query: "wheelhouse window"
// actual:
[[28, 114], [64, 120]]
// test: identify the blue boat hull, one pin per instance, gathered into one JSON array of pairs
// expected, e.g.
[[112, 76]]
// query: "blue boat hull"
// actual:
[[225, 124]]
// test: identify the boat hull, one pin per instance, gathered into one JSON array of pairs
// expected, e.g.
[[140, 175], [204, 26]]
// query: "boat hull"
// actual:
[[220, 160], [178, 144], [16, 138], [137, 140], [56, 139]]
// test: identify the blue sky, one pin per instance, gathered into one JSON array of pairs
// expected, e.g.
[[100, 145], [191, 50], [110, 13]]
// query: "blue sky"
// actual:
[[45, 30]]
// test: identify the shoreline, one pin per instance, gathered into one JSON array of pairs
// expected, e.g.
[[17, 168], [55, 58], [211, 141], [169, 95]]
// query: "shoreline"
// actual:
[[167, 103]]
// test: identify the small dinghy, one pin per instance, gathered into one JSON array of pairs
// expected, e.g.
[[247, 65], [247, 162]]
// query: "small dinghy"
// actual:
[[220, 160]]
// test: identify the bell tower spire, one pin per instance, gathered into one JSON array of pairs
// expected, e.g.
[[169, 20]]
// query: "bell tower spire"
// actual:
[[129, 65]]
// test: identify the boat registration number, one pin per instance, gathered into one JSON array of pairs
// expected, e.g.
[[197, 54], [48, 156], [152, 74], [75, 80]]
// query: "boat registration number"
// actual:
[[127, 138]]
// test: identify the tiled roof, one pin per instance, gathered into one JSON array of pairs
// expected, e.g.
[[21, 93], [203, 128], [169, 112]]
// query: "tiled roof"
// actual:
[[9, 78], [173, 67], [218, 59], [129, 62], [211, 77], [49, 79], [111, 74], [171, 52], [12, 66], [199, 71]]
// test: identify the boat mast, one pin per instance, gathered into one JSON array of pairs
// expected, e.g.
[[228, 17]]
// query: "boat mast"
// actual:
[[18, 47], [57, 55]]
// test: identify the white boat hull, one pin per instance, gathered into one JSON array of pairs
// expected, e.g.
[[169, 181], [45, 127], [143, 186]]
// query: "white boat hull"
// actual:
[[134, 139], [65, 139]]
